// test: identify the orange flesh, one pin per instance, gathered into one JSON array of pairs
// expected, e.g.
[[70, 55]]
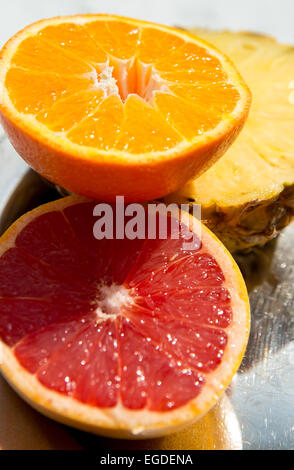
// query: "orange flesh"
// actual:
[[115, 85]]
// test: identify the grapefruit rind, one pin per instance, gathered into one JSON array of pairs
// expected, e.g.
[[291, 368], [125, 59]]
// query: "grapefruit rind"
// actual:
[[118, 421]]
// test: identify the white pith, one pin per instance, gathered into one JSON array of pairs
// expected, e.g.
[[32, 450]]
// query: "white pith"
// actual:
[[111, 300], [147, 79], [105, 81]]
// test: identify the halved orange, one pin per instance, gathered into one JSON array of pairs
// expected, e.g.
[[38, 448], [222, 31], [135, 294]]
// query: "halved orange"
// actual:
[[126, 338], [104, 105]]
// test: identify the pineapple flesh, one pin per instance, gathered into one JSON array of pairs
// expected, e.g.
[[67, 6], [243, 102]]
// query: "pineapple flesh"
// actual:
[[247, 197]]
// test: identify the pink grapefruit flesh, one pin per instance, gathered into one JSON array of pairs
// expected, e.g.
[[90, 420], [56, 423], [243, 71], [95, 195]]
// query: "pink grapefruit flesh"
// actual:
[[135, 327]]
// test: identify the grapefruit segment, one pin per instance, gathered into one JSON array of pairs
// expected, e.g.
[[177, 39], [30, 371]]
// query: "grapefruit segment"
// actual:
[[98, 104], [148, 376], [121, 337]]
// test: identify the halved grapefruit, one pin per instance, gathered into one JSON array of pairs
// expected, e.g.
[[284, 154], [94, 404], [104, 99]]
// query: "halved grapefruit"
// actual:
[[103, 105], [126, 338]]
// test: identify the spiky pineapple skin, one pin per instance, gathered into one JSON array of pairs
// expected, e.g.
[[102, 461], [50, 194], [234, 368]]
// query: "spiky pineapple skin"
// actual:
[[253, 224], [243, 218]]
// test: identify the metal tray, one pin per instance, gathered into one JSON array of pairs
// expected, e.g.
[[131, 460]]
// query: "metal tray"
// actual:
[[262, 393]]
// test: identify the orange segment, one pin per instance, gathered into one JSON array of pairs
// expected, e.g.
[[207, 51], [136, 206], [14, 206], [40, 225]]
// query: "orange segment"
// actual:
[[155, 39], [70, 111], [74, 38], [192, 59], [35, 54], [182, 103], [188, 118], [191, 116], [118, 38], [102, 129], [220, 98], [42, 94], [154, 132]]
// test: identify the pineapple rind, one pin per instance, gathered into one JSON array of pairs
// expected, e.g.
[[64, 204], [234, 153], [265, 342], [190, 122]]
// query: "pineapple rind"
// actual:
[[247, 197]]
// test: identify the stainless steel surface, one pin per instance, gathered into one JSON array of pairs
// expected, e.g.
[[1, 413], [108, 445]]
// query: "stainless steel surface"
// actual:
[[262, 392]]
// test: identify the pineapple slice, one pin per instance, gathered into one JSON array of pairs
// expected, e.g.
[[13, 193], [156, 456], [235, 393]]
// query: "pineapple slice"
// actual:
[[247, 197]]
